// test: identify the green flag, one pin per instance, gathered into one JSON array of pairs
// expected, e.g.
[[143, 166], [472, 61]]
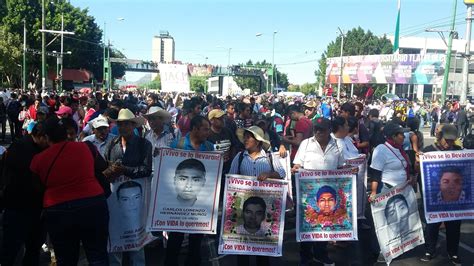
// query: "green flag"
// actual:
[[397, 32]]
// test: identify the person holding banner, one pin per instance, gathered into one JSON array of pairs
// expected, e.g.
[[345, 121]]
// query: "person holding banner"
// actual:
[[445, 142], [159, 136], [129, 155], [390, 167], [196, 139], [320, 152], [255, 161]]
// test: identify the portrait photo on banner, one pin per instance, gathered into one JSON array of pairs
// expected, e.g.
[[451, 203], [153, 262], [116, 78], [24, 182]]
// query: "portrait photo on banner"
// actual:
[[448, 185], [326, 204], [128, 205], [397, 221], [185, 191], [253, 216]]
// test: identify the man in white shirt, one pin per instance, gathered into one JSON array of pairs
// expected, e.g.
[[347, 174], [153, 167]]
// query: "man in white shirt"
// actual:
[[318, 153]]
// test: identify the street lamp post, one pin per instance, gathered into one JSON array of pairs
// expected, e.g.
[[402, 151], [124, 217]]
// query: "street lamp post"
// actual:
[[274, 77], [339, 80], [23, 83], [43, 47], [273, 63], [465, 76]]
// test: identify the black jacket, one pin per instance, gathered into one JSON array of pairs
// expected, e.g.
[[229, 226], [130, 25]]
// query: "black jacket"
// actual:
[[20, 191]]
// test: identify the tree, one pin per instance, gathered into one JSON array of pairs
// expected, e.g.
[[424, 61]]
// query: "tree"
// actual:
[[254, 83], [308, 88], [198, 83], [118, 69], [10, 57], [356, 42], [85, 47], [152, 85]]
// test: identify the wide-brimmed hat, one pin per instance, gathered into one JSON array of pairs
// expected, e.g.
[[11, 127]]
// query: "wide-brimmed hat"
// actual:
[[127, 115], [310, 104], [157, 111], [215, 113], [257, 133]]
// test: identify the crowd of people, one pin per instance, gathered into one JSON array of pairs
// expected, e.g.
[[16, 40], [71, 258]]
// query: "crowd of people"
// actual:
[[66, 149]]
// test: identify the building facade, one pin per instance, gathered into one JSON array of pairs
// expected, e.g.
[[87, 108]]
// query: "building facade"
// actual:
[[425, 46], [162, 49]]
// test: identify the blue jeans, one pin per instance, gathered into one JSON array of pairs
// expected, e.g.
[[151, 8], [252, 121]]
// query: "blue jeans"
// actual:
[[22, 227], [84, 220]]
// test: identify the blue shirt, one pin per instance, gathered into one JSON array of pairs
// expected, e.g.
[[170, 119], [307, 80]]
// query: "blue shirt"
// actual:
[[254, 167], [326, 110], [206, 146]]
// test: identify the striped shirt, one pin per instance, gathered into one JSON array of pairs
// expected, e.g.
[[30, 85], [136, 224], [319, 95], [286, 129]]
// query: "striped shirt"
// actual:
[[254, 167]]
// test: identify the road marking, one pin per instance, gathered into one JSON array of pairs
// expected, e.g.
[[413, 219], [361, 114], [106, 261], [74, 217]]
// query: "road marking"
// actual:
[[461, 244]]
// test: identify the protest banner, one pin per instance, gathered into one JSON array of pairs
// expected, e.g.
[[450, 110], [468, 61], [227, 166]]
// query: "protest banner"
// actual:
[[128, 206], [448, 187], [174, 78], [185, 195], [361, 181], [397, 221], [286, 163], [253, 216], [325, 209]]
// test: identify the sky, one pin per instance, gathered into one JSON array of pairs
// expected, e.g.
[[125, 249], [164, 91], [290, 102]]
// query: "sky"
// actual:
[[208, 28]]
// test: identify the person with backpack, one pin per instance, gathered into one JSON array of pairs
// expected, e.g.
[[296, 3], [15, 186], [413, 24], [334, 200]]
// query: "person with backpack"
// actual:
[[22, 223], [194, 140], [255, 161], [376, 136]]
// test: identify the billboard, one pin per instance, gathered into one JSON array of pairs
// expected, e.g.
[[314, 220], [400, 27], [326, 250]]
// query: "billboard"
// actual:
[[388, 68]]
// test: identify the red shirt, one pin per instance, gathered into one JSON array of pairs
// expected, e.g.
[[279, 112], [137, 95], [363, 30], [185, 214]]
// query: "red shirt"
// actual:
[[32, 111], [72, 175], [88, 115], [304, 126]]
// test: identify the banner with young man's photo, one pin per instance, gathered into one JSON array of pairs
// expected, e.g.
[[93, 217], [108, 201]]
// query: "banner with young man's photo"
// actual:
[[185, 191], [448, 187], [128, 210], [361, 181], [326, 209], [397, 221], [253, 216]]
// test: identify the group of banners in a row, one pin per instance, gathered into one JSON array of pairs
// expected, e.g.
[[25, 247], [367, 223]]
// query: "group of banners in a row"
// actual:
[[183, 196]]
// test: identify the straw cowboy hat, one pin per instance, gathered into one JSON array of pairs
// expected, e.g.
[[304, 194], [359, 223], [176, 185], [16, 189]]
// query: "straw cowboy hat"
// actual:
[[127, 115], [258, 135], [157, 111]]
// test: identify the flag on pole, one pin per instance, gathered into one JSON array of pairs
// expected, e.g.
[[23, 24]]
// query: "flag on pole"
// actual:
[[397, 32]]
